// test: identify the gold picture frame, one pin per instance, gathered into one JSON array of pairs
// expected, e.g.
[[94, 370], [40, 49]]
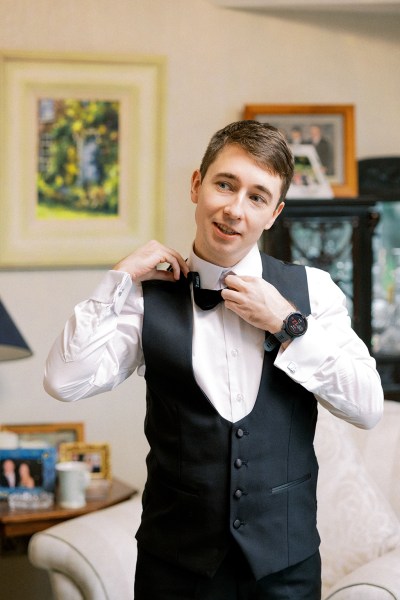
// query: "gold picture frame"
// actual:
[[74, 177], [97, 456], [31, 435], [334, 124]]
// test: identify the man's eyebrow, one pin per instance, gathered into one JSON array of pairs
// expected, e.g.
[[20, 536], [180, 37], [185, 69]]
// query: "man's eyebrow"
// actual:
[[264, 190], [234, 177], [227, 175]]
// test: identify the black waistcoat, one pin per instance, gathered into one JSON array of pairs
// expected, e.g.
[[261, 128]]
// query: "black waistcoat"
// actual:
[[209, 479]]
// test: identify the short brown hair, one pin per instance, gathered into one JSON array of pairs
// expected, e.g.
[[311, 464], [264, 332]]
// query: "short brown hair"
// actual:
[[264, 142]]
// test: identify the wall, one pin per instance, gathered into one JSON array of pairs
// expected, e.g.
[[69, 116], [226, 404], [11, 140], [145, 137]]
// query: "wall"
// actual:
[[218, 60]]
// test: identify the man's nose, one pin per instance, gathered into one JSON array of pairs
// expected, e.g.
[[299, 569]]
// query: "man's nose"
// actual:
[[234, 208]]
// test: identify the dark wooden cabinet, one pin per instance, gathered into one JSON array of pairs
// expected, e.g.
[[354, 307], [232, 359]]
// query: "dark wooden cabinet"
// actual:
[[337, 236]]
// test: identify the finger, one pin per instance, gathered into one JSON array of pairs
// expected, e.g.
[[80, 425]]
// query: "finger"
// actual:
[[239, 281], [178, 265], [230, 295], [236, 308], [234, 282], [162, 255], [144, 263], [159, 274]]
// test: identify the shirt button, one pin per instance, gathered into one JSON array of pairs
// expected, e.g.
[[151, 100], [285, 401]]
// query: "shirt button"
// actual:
[[238, 493], [240, 397], [237, 523], [234, 353], [238, 463], [240, 433]]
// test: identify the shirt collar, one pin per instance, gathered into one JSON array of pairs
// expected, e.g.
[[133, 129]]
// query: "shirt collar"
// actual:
[[212, 276]]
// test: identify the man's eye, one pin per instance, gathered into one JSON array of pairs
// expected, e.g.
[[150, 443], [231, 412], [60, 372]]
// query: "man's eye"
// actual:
[[224, 185], [258, 199]]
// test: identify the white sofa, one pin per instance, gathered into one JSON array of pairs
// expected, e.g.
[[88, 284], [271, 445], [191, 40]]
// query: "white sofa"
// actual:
[[93, 557]]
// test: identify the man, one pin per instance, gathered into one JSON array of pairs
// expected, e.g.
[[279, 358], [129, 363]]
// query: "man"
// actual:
[[229, 507], [8, 477], [296, 136], [323, 148]]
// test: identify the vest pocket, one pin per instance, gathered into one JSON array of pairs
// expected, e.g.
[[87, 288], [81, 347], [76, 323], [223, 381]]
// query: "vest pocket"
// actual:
[[287, 486]]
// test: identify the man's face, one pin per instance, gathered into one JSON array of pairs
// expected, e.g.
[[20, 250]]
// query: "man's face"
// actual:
[[315, 132], [296, 136], [235, 202], [8, 467]]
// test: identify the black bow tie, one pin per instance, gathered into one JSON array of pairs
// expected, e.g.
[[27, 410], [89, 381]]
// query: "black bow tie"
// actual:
[[205, 299]]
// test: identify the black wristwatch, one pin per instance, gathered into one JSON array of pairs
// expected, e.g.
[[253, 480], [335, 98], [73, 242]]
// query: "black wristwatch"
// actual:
[[294, 326]]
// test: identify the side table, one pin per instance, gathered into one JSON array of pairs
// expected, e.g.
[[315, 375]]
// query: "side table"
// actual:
[[21, 522]]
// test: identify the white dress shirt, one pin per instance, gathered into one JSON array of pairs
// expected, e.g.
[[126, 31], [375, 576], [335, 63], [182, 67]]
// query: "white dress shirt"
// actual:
[[101, 346]]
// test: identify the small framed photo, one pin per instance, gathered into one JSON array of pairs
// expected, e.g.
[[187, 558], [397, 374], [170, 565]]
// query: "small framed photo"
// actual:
[[308, 180], [96, 456], [44, 435], [31, 470], [329, 128]]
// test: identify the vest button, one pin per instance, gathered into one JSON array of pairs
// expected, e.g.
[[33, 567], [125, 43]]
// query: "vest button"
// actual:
[[239, 433], [237, 523], [238, 463], [238, 493]]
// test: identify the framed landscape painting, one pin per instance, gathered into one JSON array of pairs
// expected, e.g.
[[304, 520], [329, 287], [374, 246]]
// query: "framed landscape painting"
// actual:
[[81, 157]]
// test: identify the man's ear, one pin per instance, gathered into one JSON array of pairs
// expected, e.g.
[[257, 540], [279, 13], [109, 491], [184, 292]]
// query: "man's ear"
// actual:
[[275, 215], [195, 186]]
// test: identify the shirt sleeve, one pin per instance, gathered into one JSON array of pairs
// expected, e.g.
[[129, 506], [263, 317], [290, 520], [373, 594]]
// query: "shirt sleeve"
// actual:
[[101, 344], [331, 361]]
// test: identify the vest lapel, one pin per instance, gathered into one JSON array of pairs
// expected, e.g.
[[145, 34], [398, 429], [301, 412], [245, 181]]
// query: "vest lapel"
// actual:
[[289, 279]]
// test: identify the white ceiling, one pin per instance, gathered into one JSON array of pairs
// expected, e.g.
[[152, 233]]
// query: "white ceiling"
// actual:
[[374, 6]]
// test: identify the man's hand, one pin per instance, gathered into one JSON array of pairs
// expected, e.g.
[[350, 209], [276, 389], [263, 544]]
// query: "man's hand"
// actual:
[[257, 302], [142, 264]]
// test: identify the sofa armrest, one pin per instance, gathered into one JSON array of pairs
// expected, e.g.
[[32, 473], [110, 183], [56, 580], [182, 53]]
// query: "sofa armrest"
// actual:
[[95, 553], [376, 580], [63, 587]]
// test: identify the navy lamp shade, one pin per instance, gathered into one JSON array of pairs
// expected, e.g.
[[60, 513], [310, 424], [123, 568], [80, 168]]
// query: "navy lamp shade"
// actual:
[[12, 344]]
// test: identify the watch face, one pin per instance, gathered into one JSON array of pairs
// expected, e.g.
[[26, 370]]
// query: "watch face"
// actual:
[[296, 324]]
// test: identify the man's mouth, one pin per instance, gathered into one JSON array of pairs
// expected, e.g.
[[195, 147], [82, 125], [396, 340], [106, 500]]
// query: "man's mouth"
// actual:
[[225, 229]]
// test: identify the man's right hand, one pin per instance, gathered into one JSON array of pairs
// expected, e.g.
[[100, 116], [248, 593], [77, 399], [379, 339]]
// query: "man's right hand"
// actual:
[[142, 264]]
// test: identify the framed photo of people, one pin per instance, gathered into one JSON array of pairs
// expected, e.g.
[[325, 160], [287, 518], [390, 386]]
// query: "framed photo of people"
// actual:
[[328, 128], [95, 456], [27, 470]]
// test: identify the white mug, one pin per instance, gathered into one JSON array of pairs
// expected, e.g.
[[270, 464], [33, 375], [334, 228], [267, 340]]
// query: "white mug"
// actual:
[[73, 479]]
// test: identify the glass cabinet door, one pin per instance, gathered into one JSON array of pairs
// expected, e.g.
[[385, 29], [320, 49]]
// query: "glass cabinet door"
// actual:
[[357, 241], [386, 296], [334, 235]]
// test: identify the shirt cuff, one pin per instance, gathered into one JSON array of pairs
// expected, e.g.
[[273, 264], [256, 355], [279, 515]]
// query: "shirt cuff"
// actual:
[[305, 355], [113, 290]]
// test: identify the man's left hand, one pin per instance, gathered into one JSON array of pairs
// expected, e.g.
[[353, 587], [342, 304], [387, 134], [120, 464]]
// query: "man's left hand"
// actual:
[[256, 301]]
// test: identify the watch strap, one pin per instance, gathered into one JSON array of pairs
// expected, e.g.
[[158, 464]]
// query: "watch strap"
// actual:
[[282, 336], [270, 343]]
